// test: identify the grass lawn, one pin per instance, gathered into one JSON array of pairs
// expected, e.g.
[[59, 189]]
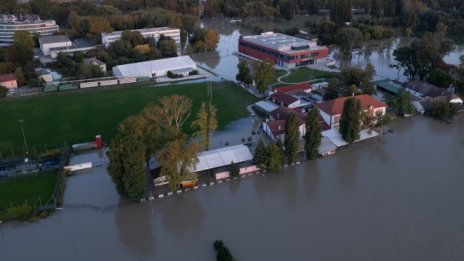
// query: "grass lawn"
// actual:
[[27, 188], [306, 74], [277, 74], [77, 116]]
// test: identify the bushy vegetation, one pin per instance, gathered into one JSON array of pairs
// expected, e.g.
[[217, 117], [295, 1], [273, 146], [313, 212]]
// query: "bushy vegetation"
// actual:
[[222, 252]]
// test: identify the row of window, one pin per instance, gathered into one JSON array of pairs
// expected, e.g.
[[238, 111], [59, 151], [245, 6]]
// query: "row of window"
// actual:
[[279, 56], [27, 26]]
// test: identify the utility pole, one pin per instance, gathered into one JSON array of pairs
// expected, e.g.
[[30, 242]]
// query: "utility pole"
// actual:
[[24, 138]]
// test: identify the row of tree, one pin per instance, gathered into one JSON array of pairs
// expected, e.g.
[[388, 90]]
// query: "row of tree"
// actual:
[[263, 74], [18, 59], [158, 130]]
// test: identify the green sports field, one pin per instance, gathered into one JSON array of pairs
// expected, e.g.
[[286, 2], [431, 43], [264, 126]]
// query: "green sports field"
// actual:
[[77, 116], [28, 189]]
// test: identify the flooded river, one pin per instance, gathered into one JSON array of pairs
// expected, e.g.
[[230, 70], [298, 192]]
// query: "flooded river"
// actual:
[[399, 197]]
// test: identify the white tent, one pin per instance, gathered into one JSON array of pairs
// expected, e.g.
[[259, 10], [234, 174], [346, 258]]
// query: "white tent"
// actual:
[[222, 157], [155, 67]]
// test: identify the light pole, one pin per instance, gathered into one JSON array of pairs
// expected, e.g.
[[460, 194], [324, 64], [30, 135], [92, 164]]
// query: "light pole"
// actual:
[[24, 138]]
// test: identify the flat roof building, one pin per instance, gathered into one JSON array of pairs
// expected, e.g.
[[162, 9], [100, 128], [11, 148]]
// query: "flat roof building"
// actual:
[[174, 33], [155, 68], [54, 44], [284, 50], [9, 24]]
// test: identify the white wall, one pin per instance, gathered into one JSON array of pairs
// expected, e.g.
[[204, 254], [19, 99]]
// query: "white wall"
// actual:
[[46, 47], [326, 117]]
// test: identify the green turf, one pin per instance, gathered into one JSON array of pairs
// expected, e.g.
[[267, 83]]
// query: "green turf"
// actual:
[[17, 191], [305, 74], [77, 116], [277, 74]]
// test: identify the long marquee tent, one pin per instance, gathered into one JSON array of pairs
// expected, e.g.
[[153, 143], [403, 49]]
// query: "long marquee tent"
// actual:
[[222, 157], [154, 68]]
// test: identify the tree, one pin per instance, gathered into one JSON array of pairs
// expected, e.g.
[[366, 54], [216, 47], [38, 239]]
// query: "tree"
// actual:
[[404, 103], [171, 114], [134, 38], [168, 47], [98, 25], [199, 47], [313, 134], [350, 121], [23, 47], [211, 39], [87, 71], [443, 110], [206, 123], [260, 158], [440, 78], [177, 159], [128, 156], [341, 11], [292, 137], [274, 157], [234, 170], [19, 76], [73, 21], [264, 74], [423, 55], [348, 38], [3, 91], [331, 92], [376, 8], [244, 74]]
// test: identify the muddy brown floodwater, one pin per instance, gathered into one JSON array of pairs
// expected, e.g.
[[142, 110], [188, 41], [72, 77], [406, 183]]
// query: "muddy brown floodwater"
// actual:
[[399, 197]]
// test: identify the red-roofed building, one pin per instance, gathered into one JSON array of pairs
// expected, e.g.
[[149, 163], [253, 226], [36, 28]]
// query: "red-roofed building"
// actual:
[[285, 100], [8, 81], [276, 129], [332, 110], [306, 87]]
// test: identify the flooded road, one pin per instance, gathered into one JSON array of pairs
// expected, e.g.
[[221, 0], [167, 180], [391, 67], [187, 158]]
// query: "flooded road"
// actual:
[[395, 198]]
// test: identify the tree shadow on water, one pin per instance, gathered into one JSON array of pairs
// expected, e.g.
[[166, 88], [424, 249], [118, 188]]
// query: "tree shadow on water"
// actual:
[[135, 229]]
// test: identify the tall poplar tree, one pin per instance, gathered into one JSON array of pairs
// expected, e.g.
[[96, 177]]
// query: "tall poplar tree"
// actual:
[[206, 123], [350, 121], [313, 134], [292, 136]]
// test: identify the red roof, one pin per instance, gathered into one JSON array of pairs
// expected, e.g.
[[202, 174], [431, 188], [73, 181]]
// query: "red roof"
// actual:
[[294, 87], [282, 113], [277, 127], [7, 77], [335, 107], [283, 97]]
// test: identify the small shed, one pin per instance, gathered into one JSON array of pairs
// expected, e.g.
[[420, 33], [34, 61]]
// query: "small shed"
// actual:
[[389, 86]]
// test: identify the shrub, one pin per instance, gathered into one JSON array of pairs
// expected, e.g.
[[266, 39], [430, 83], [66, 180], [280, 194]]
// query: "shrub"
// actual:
[[234, 170], [173, 75], [3, 91], [21, 212]]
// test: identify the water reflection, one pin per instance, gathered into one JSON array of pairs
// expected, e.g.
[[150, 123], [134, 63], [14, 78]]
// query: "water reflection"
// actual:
[[347, 167], [183, 214], [290, 187], [310, 179], [135, 230]]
